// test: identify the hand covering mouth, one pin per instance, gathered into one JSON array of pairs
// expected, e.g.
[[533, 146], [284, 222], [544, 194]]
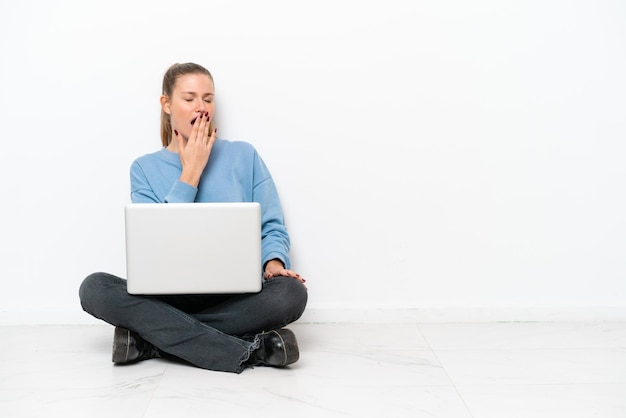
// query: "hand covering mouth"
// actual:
[[194, 120]]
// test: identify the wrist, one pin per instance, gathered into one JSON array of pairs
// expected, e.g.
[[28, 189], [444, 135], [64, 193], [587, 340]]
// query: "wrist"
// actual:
[[274, 263], [189, 177]]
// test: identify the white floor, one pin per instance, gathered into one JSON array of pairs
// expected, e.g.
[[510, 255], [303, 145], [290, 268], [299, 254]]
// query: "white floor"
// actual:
[[499, 370]]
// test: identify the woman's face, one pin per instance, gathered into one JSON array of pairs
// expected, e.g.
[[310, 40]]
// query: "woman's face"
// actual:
[[192, 96]]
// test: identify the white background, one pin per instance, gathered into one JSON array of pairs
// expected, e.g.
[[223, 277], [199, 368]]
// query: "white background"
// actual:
[[429, 154]]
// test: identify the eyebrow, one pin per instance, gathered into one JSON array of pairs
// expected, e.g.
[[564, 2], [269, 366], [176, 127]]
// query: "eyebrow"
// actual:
[[193, 92]]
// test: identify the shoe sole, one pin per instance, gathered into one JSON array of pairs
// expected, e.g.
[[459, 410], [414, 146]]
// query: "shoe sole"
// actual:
[[121, 337]]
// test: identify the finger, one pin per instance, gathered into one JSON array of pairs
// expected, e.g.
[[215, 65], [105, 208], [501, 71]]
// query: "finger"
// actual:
[[291, 273], [296, 276], [212, 138], [301, 280], [206, 137], [195, 128], [203, 127]]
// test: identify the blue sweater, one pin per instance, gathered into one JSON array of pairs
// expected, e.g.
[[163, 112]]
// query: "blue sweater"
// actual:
[[234, 173]]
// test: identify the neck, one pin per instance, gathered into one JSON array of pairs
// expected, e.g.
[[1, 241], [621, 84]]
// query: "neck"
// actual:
[[173, 146]]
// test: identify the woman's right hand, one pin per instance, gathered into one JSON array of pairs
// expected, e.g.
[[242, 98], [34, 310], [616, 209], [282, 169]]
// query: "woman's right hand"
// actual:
[[194, 153]]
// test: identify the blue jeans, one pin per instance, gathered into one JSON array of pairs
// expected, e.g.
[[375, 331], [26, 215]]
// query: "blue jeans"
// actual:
[[205, 330]]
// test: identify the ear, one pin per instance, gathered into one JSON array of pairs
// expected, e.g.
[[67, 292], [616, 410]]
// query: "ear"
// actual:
[[165, 104]]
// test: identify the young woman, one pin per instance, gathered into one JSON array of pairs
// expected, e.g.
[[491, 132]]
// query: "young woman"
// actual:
[[216, 332]]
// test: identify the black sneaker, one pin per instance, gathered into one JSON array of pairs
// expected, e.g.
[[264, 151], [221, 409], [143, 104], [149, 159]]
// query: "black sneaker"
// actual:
[[129, 347], [278, 348]]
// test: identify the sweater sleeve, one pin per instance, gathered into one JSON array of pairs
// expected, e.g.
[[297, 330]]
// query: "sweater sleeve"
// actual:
[[275, 238], [140, 190], [181, 192], [157, 188]]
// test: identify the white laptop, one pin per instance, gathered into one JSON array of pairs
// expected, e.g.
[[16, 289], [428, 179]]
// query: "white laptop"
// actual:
[[193, 248]]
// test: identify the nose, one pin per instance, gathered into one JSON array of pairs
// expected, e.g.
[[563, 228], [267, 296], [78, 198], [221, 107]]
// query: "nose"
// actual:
[[200, 105]]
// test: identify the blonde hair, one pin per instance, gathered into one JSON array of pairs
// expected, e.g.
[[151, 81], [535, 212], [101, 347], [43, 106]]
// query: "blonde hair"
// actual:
[[169, 82]]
